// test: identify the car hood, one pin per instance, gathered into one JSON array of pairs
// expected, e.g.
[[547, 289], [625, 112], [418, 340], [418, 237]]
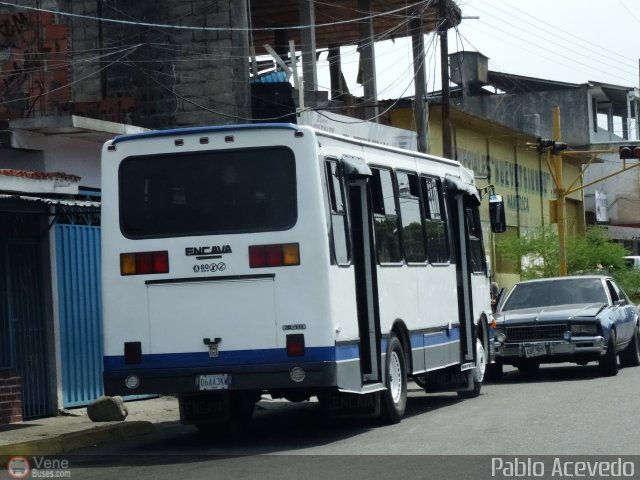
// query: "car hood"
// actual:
[[550, 313]]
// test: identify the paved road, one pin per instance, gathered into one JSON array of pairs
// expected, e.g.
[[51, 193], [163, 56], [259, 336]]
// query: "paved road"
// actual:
[[562, 410]]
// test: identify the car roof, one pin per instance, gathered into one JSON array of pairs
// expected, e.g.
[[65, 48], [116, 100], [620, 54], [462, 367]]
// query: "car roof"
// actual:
[[570, 277]]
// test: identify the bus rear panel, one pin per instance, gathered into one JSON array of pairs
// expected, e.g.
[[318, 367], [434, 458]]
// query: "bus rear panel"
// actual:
[[208, 245]]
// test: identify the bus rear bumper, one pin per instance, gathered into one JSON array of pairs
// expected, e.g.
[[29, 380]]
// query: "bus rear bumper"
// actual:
[[232, 378]]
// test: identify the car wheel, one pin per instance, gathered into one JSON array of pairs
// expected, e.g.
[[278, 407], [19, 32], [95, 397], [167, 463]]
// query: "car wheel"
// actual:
[[394, 398], [528, 368], [630, 357], [609, 363], [478, 372], [495, 371], [420, 380]]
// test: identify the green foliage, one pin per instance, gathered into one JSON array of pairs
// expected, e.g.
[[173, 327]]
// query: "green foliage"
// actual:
[[537, 255]]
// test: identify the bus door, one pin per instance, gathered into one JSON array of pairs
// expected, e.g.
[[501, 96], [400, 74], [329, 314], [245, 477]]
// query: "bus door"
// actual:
[[357, 175], [469, 259]]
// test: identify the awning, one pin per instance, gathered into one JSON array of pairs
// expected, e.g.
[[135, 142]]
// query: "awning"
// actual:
[[67, 202]]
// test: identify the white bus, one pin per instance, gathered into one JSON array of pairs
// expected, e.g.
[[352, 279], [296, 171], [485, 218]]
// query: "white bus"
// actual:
[[240, 261]]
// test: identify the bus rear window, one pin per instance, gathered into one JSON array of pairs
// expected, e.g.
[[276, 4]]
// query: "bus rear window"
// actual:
[[204, 193]]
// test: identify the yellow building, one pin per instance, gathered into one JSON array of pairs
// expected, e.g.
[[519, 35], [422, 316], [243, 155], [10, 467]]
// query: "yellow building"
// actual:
[[501, 157]]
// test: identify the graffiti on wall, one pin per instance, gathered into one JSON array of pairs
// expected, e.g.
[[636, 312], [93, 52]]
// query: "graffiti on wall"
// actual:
[[34, 65]]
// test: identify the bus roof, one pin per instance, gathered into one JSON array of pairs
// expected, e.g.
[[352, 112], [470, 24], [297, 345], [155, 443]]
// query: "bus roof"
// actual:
[[200, 130]]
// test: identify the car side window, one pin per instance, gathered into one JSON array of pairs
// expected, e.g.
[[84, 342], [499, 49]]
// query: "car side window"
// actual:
[[616, 293]]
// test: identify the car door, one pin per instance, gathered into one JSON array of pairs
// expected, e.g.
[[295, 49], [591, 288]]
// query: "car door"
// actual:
[[623, 316]]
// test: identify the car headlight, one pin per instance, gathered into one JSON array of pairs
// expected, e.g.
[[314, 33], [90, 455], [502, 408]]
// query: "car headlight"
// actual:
[[584, 329], [500, 336]]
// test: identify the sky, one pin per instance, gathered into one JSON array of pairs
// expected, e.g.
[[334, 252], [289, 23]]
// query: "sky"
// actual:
[[565, 40]]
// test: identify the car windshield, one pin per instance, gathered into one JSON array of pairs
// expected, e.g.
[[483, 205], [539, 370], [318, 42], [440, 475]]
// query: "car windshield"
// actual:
[[556, 292]]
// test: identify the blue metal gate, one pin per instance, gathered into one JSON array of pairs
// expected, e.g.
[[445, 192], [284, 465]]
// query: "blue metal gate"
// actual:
[[80, 312], [23, 320]]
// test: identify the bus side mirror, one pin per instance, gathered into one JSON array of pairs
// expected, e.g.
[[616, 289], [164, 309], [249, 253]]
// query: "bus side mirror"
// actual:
[[496, 214]]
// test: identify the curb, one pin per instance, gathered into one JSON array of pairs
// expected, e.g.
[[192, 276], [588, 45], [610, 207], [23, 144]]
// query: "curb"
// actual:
[[68, 442]]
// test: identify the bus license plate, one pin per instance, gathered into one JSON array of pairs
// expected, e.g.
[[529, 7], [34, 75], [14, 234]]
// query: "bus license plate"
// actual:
[[219, 381]]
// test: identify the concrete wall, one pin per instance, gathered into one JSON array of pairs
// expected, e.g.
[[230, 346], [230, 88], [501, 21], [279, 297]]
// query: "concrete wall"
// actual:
[[160, 77], [533, 113]]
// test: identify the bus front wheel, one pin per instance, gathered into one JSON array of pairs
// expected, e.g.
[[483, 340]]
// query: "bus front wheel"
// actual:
[[478, 371], [394, 398]]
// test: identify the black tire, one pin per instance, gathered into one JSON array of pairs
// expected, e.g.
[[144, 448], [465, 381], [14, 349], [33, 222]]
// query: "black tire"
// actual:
[[528, 368], [394, 398], [630, 357], [241, 407], [421, 380], [495, 372], [478, 372], [609, 363]]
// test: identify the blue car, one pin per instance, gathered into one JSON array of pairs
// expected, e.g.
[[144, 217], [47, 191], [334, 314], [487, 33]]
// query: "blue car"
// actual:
[[578, 319]]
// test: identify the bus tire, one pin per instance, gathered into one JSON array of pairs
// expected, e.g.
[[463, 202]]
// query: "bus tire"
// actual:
[[478, 371], [394, 398]]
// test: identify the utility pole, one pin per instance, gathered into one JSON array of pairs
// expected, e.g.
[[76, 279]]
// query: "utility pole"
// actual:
[[552, 147], [419, 99], [560, 193], [447, 149]]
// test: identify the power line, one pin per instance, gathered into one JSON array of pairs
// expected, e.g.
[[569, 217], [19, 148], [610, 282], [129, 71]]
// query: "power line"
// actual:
[[212, 29]]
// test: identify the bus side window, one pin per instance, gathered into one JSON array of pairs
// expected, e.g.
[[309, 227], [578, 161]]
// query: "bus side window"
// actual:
[[412, 236], [435, 220], [474, 233], [340, 239], [385, 216]]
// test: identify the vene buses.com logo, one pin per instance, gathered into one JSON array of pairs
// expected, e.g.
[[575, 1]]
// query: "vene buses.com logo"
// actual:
[[18, 467]]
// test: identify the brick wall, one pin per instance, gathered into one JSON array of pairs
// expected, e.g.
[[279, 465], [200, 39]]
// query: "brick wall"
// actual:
[[159, 77], [34, 65], [10, 397]]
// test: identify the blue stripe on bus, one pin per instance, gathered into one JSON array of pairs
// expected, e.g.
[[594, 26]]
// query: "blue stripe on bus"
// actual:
[[268, 356], [234, 357], [203, 130]]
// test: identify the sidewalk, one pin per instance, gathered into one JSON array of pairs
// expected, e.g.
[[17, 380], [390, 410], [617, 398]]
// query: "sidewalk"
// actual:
[[74, 430]]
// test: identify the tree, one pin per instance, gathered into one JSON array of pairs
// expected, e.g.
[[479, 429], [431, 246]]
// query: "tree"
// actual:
[[536, 253]]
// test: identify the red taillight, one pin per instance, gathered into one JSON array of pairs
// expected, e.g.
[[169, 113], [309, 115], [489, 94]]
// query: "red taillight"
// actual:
[[277, 255], [144, 263], [273, 255], [295, 345]]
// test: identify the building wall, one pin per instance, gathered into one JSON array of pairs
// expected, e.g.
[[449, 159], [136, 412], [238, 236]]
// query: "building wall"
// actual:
[[10, 397], [57, 153], [161, 77], [34, 54], [155, 77], [532, 113]]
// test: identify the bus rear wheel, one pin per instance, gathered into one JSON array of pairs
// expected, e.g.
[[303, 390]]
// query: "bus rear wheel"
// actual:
[[394, 398]]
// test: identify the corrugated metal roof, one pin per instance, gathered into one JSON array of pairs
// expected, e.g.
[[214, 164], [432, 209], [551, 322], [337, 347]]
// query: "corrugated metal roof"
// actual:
[[69, 202]]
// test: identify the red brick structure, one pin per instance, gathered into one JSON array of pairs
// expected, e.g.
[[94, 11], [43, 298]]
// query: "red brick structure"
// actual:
[[10, 397], [35, 77]]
